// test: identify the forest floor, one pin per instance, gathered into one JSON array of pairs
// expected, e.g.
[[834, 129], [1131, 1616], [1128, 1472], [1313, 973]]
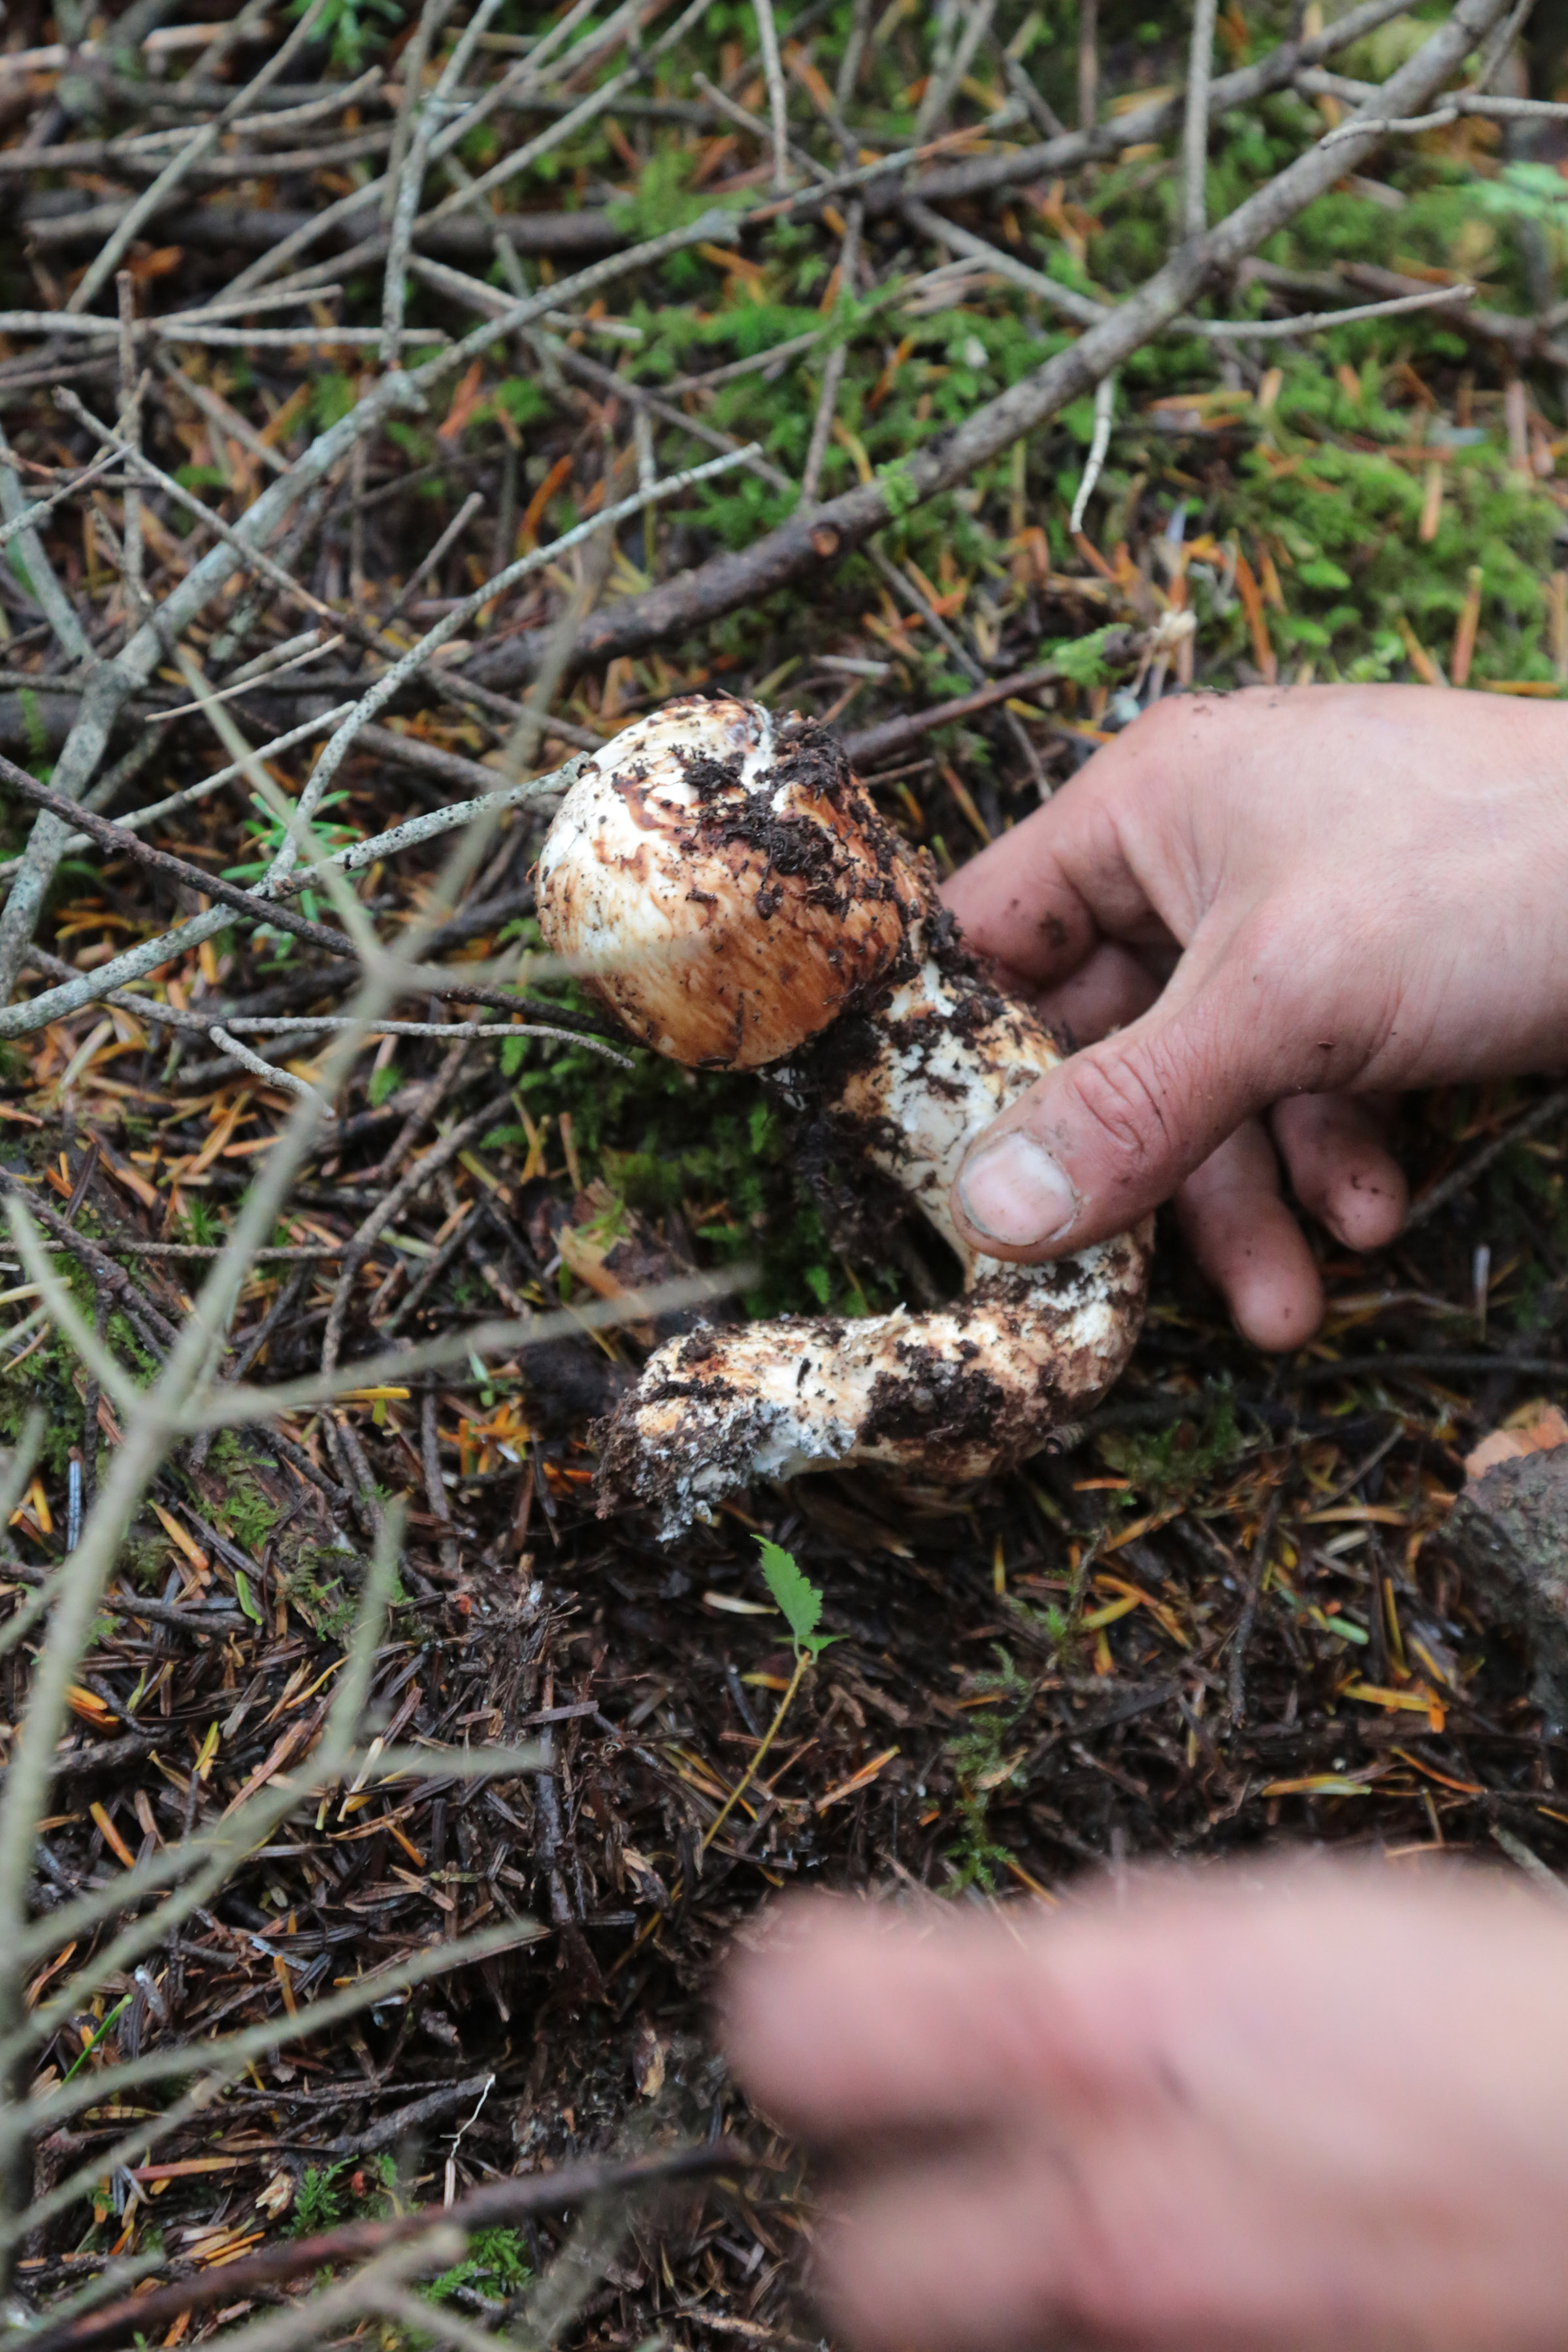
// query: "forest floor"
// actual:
[[1216, 1617]]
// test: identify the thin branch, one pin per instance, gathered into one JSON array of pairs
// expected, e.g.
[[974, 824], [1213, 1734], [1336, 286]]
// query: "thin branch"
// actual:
[[778, 103], [588, 111], [832, 368], [733, 112], [41, 578], [232, 1408], [323, 1024], [1196, 127], [1316, 322], [943, 86], [1546, 1113], [1154, 120], [131, 391], [497, 2203], [608, 518], [114, 682], [412, 65], [1104, 414], [106, 260], [964, 241], [430, 565], [1501, 41], [874, 744], [409, 181], [266, 670], [1087, 65], [228, 895], [18, 1019], [333, 1761], [27, 516], [270, 1071], [225, 2059], [1387, 125]]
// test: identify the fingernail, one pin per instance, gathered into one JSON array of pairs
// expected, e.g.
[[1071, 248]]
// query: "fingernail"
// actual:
[[1012, 1192]]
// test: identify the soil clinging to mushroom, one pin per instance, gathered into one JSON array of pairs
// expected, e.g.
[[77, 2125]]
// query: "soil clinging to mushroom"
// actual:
[[746, 906]]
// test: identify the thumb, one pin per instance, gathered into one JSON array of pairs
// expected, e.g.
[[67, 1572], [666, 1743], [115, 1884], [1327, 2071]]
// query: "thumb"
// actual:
[[1100, 1142]]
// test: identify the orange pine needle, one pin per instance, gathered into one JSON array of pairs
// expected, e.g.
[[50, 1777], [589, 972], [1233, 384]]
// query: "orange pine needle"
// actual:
[[560, 474], [1421, 661], [1469, 621], [1263, 652]]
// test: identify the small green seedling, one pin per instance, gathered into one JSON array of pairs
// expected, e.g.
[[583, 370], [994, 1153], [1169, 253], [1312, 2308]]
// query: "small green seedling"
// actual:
[[799, 1600], [800, 1604]]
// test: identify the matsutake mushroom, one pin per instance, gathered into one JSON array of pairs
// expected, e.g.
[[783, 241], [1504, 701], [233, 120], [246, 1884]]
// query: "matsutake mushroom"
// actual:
[[742, 905]]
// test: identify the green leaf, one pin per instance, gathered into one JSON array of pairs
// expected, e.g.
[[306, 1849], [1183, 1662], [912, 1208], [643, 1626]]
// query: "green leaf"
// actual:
[[245, 1596], [799, 1599], [202, 1224], [1524, 191], [496, 2263]]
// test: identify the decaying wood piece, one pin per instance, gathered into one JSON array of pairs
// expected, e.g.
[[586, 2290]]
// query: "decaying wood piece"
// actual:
[[747, 906], [1509, 1530]]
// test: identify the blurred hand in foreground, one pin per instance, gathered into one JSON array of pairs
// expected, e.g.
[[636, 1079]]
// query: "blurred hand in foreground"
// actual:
[[1288, 903], [1324, 2111]]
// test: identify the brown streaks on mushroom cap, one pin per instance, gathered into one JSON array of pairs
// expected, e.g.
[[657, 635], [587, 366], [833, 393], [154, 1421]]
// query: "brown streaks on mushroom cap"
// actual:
[[730, 880]]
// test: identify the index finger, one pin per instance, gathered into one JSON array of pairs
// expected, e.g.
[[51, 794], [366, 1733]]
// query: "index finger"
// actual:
[[851, 2019], [1040, 899]]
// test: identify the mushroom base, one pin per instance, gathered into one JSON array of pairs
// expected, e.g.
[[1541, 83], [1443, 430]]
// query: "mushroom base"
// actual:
[[951, 1394]]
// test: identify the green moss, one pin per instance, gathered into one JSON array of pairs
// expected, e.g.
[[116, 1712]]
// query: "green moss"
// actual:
[[495, 2266], [717, 1146], [247, 1513], [50, 1376], [321, 1582], [1168, 1466], [982, 1765]]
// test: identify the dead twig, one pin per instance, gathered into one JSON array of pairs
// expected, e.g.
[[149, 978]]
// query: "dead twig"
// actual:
[[1535, 1121], [500, 2202], [869, 744]]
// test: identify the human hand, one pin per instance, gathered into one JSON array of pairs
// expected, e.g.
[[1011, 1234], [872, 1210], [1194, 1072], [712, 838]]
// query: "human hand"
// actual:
[[1325, 2115], [1346, 891]]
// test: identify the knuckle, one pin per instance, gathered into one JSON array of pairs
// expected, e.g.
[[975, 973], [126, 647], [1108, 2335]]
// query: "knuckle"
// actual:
[[1131, 1103]]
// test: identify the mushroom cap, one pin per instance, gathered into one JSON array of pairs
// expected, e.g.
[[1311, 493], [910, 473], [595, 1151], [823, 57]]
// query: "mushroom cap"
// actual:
[[728, 881]]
